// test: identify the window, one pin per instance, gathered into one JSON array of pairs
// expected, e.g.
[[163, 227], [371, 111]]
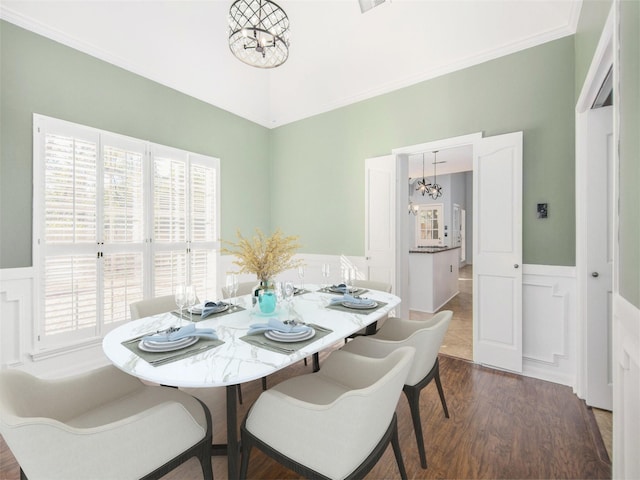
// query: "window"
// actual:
[[429, 225], [115, 220]]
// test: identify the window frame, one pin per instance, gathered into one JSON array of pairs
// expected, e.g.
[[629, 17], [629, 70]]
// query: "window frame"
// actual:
[[98, 249]]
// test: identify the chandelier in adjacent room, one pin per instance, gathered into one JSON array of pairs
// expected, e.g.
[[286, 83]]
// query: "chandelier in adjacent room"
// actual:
[[422, 184], [259, 33], [433, 189]]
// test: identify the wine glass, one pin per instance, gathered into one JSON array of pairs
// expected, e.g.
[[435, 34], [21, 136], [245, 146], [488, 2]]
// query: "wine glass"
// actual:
[[181, 298], [231, 285], [326, 272], [301, 276], [236, 284], [190, 292], [289, 290], [279, 291], [346, 279]]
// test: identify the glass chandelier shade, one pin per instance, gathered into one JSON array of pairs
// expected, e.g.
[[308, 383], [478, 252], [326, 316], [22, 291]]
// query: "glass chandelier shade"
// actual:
[[259, 33]]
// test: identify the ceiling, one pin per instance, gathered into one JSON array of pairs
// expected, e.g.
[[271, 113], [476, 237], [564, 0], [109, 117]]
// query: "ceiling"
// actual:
[[338, 55], [450, 160]]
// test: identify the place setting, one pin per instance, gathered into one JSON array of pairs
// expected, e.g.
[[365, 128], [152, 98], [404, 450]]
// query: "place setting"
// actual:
[[209, 308], [341, 289], [284, 336], [355, 304], [173, 343]]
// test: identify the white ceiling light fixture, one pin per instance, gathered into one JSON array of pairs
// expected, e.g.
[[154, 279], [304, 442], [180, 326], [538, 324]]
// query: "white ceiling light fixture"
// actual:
[[366, 5], [259, 33]]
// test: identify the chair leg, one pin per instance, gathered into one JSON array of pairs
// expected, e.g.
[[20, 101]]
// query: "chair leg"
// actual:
[[413, 397], [441, 392], [239, 389], [264, 384], [23, 476], [246, 452], [395, 443], [316, 362], [205, 462]]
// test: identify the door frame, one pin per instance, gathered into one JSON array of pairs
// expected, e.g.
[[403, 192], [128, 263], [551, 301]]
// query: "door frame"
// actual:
[[402, 161], [602, 60]]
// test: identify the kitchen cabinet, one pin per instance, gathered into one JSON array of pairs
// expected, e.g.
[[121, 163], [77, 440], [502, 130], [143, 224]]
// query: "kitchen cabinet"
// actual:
[[433, 277]]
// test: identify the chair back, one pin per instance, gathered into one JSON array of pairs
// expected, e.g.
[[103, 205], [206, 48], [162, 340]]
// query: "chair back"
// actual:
[[373, 285], [427, 342], [244, 288], [152, 306]]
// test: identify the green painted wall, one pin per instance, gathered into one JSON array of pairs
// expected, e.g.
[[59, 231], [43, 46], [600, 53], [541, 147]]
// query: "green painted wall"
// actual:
[[41, 76], [318, 163], [630, 151]]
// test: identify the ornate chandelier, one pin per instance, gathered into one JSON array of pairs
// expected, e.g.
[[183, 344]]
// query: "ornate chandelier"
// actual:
[[423, 186], [434, 190], [259, 33]]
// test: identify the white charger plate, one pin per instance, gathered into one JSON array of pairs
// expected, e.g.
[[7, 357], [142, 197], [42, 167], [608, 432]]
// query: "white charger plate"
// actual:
[[151, 346], [289, 337], [361, 306]]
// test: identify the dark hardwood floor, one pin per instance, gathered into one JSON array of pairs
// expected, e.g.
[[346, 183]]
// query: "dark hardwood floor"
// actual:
[[502, 426]]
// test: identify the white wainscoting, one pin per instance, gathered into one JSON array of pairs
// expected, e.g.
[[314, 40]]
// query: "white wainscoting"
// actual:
[[17, 319], [626, 389], [549, 323], [548, 319], [17, 327]]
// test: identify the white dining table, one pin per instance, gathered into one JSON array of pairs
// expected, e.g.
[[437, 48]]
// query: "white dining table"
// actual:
[[236, 361]]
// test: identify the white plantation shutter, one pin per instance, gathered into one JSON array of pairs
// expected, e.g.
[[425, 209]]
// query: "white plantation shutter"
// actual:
[[170, 269], [70, 294], [123, 227], [116, 220], [170, 196], [70, 188], [204, 196]]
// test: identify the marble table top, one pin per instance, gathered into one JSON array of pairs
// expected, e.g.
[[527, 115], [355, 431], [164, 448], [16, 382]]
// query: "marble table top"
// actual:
[[236, 361]]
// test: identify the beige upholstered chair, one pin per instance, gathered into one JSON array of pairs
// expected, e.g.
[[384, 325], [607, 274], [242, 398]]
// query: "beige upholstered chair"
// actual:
[[335, 423], [152, 306], [103, 424], [371, 285], [426, 337]]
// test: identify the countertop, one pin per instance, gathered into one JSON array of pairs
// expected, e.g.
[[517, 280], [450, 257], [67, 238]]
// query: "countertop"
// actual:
[[431, 249]]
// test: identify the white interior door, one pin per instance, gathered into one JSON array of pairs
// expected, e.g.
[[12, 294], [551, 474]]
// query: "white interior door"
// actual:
[[380, 219], [497, 255], [599, 242]]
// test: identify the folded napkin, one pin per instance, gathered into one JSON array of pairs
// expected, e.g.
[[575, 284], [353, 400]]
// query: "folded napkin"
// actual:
[[339, 288], [351, 299], [211, 307], [174, 334], [278, 326]]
